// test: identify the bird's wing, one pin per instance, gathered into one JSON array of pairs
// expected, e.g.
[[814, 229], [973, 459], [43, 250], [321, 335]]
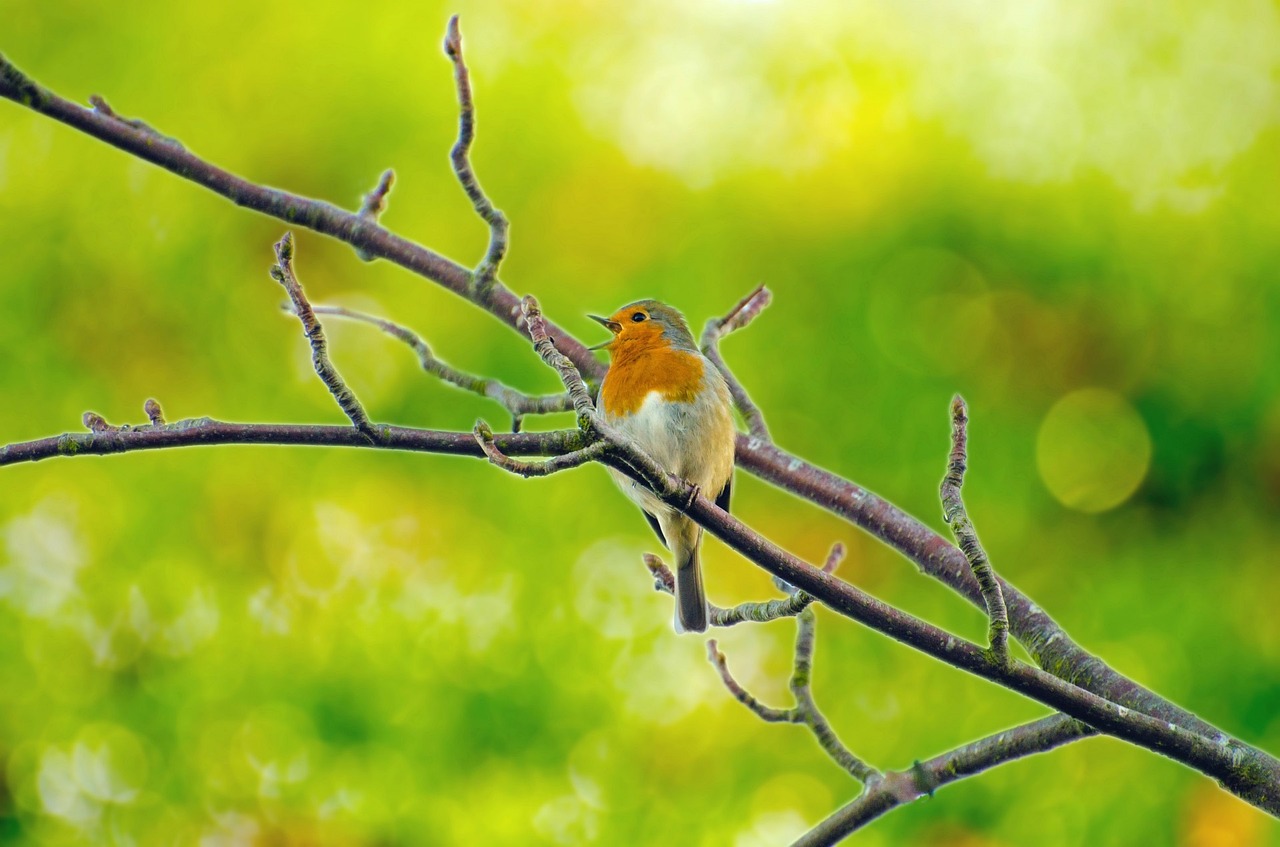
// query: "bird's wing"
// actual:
[[722, 499], [657, 528]]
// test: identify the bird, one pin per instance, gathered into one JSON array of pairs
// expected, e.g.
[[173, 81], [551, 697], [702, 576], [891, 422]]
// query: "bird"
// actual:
[[662, 392]]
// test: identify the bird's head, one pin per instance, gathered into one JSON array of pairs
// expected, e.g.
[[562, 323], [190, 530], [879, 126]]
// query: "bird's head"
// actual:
[[646, 323]]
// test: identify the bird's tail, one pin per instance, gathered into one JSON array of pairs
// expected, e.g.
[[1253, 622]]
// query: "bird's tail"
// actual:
[[691, 599]]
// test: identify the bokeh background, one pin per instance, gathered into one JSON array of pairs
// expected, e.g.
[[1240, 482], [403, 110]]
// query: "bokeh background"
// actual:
[[1066, 211]]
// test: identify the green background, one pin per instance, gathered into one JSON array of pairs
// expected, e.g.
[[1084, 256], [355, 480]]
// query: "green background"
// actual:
[[1014, 201]]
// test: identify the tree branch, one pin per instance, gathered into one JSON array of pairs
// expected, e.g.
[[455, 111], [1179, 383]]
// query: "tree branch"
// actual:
[[373, 204], [806, 709], [924, 778], [1243, 770], [766, 713], [486, 272], [515, 402], [1239, 768], [751, 612], [539, 333], [955, 514], [1044, 638], [485, 438], [1046, 641], [199, 432], [717, 328], [282, 272], [317, 215]]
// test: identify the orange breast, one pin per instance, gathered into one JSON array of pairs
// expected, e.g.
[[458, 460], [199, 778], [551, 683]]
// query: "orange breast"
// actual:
[[675, 374]]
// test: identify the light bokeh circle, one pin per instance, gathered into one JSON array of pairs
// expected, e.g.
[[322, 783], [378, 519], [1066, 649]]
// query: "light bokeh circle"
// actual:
[[1093, 450]]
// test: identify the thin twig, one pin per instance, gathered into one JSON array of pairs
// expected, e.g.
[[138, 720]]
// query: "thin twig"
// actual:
[[834, 556], [924, 778], [487, 271], [282, 272], [515, 402], [717, 328], [485, 438], [572, 379], [806, 710], [955, 514], [751, 612], [765, 713], [372, 206], [373, 203], [802, 690]]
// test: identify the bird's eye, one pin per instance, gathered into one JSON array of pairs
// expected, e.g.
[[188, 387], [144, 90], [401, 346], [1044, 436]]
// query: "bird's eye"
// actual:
[[638, 317]]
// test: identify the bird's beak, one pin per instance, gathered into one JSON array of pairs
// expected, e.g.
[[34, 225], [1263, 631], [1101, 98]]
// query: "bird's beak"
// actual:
[[612, 326]]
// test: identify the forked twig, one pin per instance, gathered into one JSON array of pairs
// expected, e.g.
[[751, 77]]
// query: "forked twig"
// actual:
[[515, 402], [746, 310], [924, 778], [485, 438], [955, 514], [806, 710]]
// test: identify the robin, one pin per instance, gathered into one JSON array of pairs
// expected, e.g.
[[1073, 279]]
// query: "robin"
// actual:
[[663, 393]]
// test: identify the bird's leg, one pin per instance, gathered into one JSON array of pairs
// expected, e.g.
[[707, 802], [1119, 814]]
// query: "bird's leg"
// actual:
[[694, 490]]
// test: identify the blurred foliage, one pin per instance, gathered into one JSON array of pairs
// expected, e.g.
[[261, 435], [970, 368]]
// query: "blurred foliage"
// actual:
[[1065, 211]]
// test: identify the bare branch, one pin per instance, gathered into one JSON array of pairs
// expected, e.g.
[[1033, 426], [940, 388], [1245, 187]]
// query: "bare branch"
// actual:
[[103, 108], [834, 557], [759, 612], [487, 271], [375, 201], [1237, 766], [955, 514], [765, 713], [738, 317], [1049, 644], [806, 710], [485, 438], [802, 689], [200, 432], [1240, 768], [282, 272], [516, 403], [372, 205], [923, 779], [1045, 639], [557, 361], [294, 209]]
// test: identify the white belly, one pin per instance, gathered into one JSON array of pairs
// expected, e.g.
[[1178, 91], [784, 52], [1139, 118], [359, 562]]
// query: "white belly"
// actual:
[[660, 427]]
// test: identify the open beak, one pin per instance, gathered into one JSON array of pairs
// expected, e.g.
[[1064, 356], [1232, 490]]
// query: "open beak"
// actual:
[[612, 326]]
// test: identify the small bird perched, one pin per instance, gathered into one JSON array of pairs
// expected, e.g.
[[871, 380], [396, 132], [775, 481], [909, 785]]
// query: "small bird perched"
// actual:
[[663, 393]]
